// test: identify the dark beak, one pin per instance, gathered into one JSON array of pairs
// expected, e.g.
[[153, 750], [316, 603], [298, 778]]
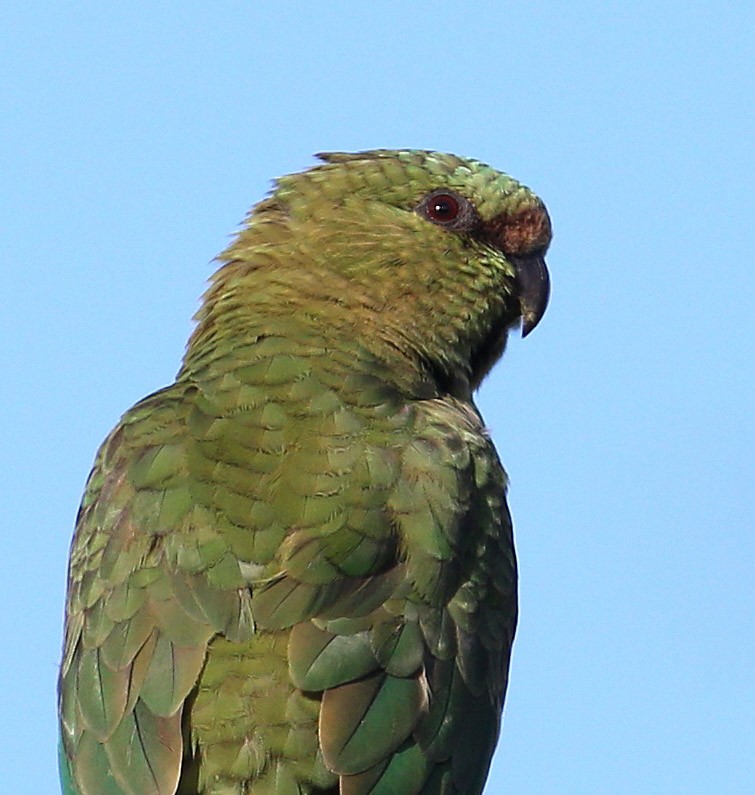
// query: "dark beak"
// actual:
[[533, 288]]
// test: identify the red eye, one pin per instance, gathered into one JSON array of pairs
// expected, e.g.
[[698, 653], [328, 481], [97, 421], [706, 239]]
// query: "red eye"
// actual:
[[443, 208], [450, 210]]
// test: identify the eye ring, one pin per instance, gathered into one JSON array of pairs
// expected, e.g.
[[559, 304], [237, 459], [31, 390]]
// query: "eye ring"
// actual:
[[449, 209]]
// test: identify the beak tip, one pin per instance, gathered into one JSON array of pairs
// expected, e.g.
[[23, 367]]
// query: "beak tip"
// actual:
[[534, 292]]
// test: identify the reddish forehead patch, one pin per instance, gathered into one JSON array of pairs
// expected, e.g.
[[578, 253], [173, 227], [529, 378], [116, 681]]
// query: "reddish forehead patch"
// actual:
[[522, 232]]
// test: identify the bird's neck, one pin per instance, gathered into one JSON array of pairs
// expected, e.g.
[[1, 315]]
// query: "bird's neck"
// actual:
[[415, 328]]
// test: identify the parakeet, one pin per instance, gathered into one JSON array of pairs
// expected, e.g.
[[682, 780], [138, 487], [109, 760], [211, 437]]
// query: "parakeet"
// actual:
[[293, 569]]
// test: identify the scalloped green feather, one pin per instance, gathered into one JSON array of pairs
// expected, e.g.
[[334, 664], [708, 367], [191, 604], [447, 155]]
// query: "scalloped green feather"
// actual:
[[171, 675], [399, 647], [94, 774], [145, 752], [319, 660], [364, 721], [405, 772], [102, 694], [127, 637]]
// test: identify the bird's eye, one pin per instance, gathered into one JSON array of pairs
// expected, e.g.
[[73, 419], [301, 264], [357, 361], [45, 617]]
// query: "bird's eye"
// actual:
[[443, 208], [449, 209]]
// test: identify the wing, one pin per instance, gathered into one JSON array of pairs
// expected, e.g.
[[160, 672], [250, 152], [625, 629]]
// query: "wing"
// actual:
[[138, 624], [412, 689]]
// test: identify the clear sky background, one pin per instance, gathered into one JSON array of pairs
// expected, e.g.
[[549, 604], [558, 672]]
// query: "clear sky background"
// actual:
[[133, 138]]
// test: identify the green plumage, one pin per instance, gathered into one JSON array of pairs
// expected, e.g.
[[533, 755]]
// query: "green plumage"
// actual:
[[293, 570]]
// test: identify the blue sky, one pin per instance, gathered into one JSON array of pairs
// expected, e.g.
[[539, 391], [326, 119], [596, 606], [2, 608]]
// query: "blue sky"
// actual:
[[135, 136]]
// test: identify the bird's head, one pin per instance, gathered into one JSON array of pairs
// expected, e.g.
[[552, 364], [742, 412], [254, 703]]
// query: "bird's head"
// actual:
[[436, 253]]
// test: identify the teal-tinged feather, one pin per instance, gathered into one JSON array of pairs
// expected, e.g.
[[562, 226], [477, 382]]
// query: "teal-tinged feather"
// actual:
[[364, 721]]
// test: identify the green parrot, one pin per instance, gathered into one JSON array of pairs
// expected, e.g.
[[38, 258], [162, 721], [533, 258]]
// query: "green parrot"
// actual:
[[293, 569]]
